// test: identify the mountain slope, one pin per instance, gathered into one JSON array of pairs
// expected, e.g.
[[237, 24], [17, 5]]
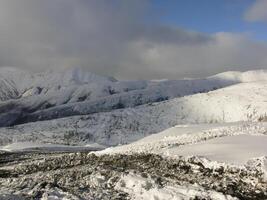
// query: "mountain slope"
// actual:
[[52, 95], [129, 124]]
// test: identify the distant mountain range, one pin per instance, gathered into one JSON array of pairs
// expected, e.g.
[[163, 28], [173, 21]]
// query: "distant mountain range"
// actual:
[[76, 107]]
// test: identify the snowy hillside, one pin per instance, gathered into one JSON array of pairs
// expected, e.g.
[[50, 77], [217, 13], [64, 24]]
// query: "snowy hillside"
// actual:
[[166, 139], [24, 80], [125, 125], [28, 97]]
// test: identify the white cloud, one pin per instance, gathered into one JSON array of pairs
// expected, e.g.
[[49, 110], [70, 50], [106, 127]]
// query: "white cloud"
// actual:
[[257, 12]]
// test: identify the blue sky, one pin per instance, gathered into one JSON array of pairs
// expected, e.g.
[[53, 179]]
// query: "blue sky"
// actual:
[[211, 16]]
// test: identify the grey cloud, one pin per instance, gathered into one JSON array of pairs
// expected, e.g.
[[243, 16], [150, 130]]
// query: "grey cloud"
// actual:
[[169, 35], [224, 51], [117, 38], [257, 12]]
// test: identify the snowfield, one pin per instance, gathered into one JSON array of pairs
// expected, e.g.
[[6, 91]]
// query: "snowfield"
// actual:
[[76, 135], [235, 149], [189, 136], [237, 143]]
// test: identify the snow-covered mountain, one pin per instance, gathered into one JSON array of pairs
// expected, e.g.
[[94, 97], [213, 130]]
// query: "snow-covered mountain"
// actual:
[[181, 139], [115, 112], [28, 97], [49, 80], [23, 93]]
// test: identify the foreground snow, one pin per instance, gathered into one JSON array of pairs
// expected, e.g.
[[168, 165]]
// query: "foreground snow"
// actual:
[[140, 188], [236, 143], [137, 176], [231, 149], [202, 137]]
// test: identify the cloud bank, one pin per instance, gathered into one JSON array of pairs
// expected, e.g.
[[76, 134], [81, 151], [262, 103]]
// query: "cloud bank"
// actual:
[[118, 38]]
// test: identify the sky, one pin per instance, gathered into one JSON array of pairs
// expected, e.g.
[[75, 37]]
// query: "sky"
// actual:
[[211, 16], [140, 39]]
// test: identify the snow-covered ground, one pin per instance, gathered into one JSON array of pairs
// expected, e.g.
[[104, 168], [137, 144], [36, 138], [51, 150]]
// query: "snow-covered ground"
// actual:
[[140, 188], [234, 149], [234, 143], [229, 144], [159, 139]]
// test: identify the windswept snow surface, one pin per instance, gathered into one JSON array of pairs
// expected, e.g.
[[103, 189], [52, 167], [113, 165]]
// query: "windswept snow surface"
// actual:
[[233, 144], [202, 140], [234, 149]]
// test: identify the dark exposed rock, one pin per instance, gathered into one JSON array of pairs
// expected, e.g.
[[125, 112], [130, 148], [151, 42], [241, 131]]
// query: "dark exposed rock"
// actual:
[[82, 174]]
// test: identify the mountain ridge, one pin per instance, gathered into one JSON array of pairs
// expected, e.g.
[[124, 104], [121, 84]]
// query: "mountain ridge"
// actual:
[[23, 93], [123, 117]]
